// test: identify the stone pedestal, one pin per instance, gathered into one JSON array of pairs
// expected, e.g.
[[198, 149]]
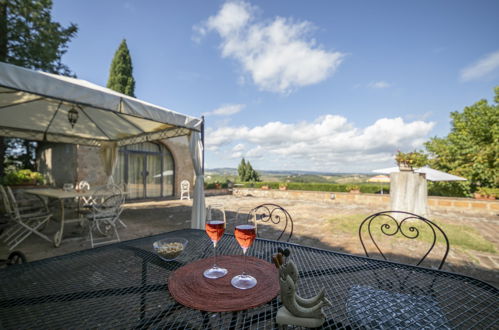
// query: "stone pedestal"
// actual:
[[409, 192]]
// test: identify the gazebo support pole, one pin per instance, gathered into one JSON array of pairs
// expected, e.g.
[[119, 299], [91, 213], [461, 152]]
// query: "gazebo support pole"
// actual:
[[202, 140]]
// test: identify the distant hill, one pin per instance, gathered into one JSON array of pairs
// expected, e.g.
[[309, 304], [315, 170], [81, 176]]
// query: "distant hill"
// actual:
[[233, 171]]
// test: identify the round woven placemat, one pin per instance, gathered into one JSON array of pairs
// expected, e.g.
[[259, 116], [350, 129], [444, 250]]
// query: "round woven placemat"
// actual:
[[188, 286]]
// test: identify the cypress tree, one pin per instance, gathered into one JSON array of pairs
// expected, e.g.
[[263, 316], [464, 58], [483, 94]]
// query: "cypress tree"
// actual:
[[121, 72]]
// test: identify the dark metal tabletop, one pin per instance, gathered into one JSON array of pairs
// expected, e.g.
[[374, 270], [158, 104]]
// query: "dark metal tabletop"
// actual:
[[124, 285]]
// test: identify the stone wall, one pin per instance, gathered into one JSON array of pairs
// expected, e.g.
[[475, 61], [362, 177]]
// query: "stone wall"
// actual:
[[440, 204], [184, 169], [57, 161], [90, 166]]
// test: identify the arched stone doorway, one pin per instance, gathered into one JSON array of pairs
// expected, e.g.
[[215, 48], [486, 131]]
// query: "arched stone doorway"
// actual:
[[147, 170]]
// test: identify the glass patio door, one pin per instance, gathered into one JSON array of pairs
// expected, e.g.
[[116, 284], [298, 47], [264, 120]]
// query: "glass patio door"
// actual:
[[146, 170], [144, 175]]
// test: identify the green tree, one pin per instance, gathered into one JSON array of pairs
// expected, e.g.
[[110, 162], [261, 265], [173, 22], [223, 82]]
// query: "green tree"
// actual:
[[121, 72], [247, 173], [241, 170], [29, 38], [471, 149]]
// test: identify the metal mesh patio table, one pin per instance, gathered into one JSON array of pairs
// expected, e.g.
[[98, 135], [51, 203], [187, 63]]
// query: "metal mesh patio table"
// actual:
[[125, 285]]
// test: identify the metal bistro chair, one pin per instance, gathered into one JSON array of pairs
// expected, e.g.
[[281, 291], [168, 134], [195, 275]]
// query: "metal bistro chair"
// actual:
[[105, 213], [273, 214], [23, 223], [409, 298], [406, 225], [185, 190]]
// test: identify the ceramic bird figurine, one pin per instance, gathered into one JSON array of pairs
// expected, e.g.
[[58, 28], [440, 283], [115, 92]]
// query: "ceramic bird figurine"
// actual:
[[305, 312]]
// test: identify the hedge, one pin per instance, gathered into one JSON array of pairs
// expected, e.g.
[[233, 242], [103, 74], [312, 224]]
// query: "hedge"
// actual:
[[329, 187]]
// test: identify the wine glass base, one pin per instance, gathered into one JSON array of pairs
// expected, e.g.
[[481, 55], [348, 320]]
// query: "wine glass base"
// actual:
[[215, 272], [243, 282]]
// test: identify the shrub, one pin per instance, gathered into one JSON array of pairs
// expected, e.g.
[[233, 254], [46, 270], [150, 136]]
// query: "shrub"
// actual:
[[412, 159], [15, 177], [351, 187], [448, 189], [327, 187]]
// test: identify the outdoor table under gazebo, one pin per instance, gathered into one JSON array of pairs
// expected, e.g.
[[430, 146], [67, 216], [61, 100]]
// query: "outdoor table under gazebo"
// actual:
[[40, 106]]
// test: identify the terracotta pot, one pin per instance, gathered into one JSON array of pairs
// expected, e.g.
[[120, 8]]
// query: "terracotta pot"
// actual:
[[265, 187], [404, 167], [355, 191], [480, 196], [283, 188]]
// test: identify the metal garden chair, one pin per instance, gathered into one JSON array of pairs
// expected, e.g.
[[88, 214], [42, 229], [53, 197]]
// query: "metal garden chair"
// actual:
[[105, 214], [278, 219], [407, 297], [404, 225], [185, 190], [23, 223]]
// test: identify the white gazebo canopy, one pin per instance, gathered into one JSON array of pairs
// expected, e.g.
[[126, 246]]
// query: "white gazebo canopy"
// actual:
[[34, 105]]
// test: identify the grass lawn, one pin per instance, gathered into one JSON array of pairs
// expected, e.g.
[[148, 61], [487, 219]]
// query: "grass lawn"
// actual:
[[460, 236]]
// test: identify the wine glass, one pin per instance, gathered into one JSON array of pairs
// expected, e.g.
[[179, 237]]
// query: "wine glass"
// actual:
[[215, 228], [245, 234]]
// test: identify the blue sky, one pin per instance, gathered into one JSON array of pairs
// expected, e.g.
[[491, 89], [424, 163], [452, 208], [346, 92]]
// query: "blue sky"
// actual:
[[334, 86]]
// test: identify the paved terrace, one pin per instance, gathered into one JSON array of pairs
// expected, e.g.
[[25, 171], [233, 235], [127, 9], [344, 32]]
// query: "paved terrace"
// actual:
[[311, 228]]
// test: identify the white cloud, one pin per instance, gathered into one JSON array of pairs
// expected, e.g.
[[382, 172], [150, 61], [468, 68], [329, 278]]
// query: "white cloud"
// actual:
[[379, 84], [330, 143], [481, 68], [238, 147], [237, 155], [226, 110], [278, 54]]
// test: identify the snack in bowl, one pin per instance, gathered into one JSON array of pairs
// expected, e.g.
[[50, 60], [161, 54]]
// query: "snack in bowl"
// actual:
[[170, 248]]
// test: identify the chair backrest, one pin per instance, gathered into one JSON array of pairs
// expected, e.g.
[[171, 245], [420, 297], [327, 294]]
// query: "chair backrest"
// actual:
[[13, 202], [278, 219], [404, 225], [108, 199], [6, 201], [185, 185]]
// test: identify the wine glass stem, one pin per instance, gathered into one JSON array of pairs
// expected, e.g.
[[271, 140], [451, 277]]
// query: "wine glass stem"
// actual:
[[215, 254], [244, 263]]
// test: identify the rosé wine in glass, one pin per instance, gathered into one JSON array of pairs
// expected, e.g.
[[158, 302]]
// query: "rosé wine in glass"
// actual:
[[215, 230], [245, 234]]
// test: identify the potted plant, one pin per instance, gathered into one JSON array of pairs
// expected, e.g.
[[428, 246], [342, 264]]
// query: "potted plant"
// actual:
[[265, 187], [353, 189], [218, 185], [283, 186], [408, 160], [486, 193], [23, 178]]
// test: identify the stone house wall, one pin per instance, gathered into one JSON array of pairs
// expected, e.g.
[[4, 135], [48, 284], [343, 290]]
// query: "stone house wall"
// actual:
[[184, 169], [57, 161], [67, 163]]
